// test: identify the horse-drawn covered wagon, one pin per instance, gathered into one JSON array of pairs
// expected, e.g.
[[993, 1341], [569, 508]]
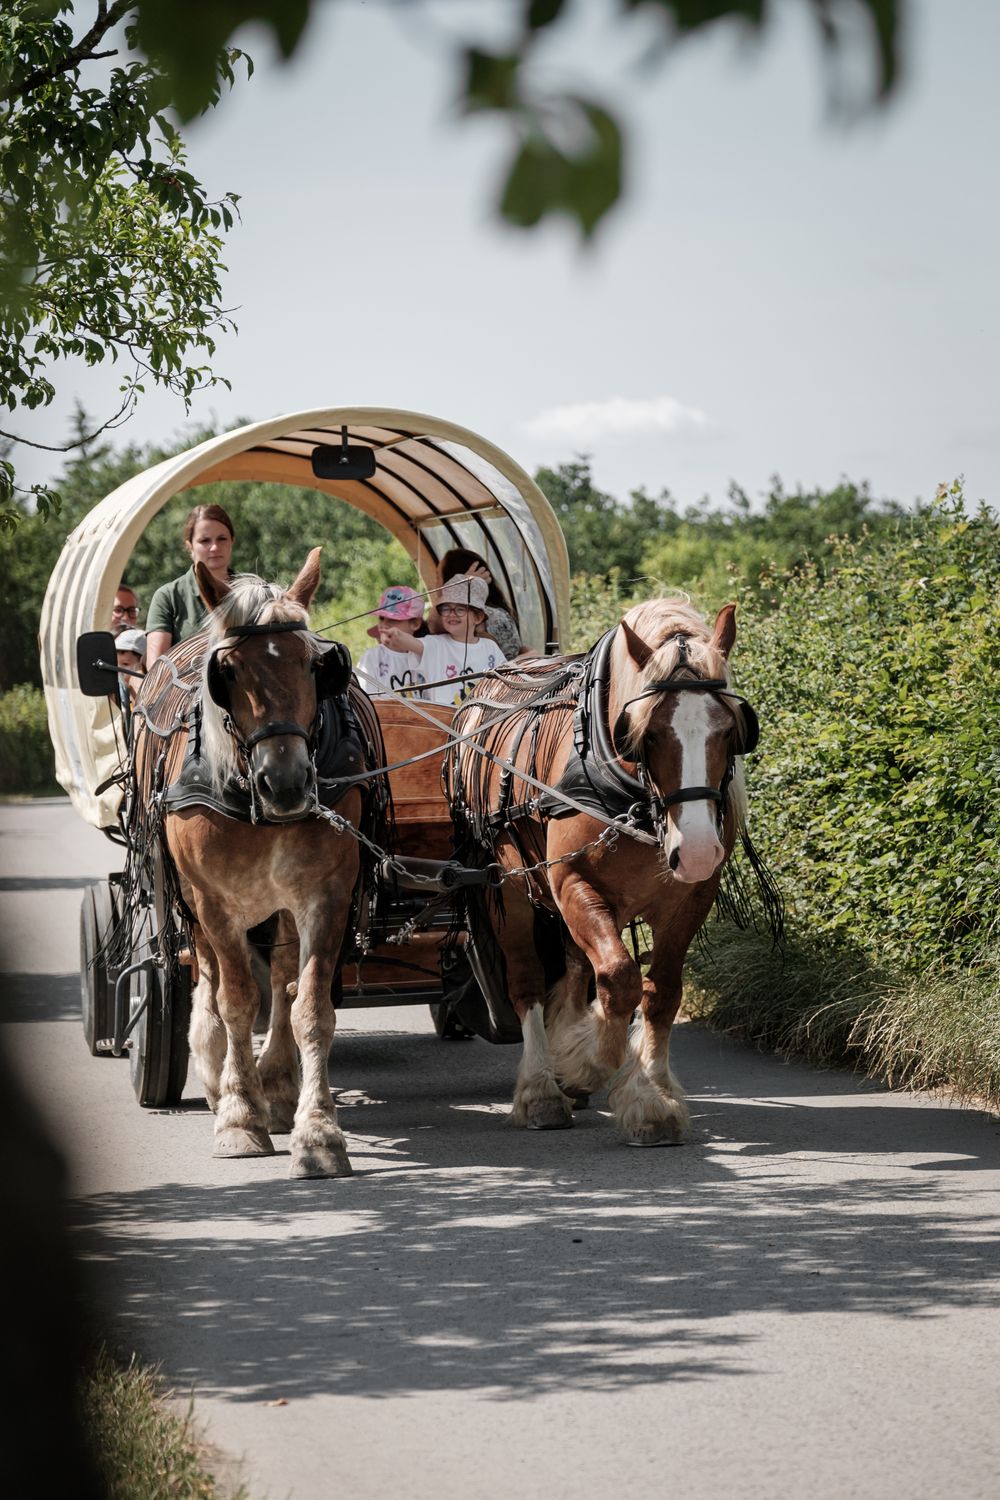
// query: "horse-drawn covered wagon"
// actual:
[[433, 486], [388, 850]]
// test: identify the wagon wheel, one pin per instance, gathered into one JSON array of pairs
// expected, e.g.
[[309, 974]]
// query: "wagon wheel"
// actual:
[[158, 1057], [99, 917], [494, 1017], [447, 1025]]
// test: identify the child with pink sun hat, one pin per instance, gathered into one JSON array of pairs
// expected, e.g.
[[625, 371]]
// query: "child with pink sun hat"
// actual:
[[381, 668]]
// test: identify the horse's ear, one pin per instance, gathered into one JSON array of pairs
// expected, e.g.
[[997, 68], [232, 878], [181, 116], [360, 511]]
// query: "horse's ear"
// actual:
[[637, 648], [213, 590], [307, 582], [724, 634]]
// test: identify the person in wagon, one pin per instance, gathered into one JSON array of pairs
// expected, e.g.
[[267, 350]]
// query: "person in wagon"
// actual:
[[449, 659], [130, 648], [500, 624], [177, 609], [125, 610], [381, 669]]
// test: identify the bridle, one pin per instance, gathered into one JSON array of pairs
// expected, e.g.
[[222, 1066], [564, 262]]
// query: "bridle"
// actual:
[[332, 668], [660, 802]]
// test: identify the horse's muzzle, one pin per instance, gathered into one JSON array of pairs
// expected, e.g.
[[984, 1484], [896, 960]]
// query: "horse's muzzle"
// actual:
[[284, 779]]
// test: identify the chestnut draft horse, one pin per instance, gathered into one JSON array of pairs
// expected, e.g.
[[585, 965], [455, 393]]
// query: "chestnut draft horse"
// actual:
[[644, 729], [265, 682]]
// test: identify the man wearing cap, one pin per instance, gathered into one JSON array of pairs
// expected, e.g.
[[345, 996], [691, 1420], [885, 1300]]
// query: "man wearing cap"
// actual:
[[130, 646], [382, 669], [449, 659]]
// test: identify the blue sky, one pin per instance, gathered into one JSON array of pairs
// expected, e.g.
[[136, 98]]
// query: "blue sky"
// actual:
[[780, 292]]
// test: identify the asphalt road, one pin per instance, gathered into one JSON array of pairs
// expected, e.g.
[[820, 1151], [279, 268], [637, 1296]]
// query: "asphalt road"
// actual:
[[803, 1301]]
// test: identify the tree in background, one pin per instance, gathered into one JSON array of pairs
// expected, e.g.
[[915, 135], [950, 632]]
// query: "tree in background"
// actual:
[[705, 548], [603, 534], [109, 247]]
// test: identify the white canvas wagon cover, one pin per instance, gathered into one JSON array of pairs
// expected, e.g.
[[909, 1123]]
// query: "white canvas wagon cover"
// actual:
[[435, 486]]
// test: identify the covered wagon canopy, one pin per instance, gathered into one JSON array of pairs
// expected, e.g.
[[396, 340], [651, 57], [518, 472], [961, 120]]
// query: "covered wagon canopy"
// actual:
[[434, 486]]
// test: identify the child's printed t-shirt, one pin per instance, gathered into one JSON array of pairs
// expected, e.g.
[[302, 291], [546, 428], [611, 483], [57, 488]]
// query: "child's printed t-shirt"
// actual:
[[391, 670], [454, 660]]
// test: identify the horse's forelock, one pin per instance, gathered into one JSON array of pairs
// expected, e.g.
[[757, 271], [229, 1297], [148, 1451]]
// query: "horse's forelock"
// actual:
[[252, 601]]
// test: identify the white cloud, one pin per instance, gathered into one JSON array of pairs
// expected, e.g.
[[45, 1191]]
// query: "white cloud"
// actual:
[[616, 417]]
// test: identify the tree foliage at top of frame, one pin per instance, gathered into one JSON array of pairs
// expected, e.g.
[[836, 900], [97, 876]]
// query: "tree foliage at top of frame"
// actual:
[[109, 247], [568, 150]]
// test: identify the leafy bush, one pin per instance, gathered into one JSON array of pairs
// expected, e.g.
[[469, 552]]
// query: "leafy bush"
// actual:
[[26, 761], [879, 781], [876, 799]]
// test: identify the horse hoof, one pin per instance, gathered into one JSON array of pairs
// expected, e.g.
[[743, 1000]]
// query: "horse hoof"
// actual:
[[321, 1161], [237, 1142], [550, 1114], [659, 1133]]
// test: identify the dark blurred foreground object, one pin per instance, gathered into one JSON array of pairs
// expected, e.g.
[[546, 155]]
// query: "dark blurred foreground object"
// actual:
[[42, 1440]]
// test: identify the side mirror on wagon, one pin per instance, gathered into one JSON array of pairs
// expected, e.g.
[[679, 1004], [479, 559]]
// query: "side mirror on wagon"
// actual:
[[97, 663]]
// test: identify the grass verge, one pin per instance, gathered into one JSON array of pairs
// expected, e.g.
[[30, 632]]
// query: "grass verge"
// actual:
[[829, 1005], [143, 1448]]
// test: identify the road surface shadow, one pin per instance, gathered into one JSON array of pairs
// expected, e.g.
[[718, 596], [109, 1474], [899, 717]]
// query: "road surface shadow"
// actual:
[[467, 1256]]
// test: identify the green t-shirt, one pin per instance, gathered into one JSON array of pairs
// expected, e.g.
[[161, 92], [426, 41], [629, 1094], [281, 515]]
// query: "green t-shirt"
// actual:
[[178, 607]]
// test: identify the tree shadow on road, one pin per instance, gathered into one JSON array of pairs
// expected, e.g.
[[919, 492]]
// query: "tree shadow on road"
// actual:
[[464, 1256]]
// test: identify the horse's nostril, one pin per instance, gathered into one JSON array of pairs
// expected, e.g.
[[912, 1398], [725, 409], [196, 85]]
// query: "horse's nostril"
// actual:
[[674, 858]]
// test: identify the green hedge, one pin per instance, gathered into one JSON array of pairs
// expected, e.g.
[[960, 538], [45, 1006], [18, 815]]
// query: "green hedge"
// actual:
[[875, 800], [27, 764]]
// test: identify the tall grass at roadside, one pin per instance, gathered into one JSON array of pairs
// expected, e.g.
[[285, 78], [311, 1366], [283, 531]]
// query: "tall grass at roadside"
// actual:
[[143, 1448], [934, 1029]]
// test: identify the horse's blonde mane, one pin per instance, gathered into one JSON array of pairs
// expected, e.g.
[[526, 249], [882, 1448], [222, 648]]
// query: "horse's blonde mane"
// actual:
[[250, 601]]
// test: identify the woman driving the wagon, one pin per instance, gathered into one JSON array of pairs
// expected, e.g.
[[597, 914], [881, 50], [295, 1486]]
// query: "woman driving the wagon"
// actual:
[[177, 609]]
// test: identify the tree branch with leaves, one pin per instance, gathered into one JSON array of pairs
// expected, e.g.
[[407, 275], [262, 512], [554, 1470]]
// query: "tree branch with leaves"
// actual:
[[110, 249]]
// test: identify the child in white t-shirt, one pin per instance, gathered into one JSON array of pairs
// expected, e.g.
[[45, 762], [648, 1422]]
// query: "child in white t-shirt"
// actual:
[[380, 668], [449, 659]]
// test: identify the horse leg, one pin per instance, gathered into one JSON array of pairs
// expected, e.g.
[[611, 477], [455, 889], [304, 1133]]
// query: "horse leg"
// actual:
[[589, 1042], [318, 1145], [279, 1063], [539, 1102], [207, 1035], [648, 1102], [567, 1009], [241, 1112]]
